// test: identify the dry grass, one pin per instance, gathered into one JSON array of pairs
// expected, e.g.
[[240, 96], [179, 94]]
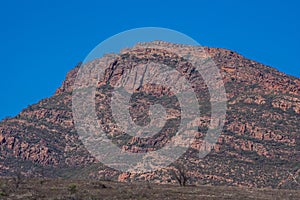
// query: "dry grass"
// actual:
[[83, 189]]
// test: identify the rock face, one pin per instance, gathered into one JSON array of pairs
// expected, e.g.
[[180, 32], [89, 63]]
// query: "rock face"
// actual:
[[259, 145]]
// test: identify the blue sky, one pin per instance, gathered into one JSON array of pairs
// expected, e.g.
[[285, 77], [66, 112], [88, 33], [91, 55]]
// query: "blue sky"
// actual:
[[40, 41]]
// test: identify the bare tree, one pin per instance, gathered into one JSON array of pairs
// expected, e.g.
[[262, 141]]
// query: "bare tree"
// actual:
[[293, 177], [290, 180], [18, 179], [179, 173]]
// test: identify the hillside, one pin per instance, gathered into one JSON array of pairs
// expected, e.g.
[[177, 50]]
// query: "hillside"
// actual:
[[258, 147]]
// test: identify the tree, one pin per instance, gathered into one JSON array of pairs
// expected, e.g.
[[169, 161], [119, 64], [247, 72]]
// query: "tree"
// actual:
[[179, 173], [18, 179]]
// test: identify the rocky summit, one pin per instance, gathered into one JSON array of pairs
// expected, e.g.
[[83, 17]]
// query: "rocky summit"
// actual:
[[259, 145]]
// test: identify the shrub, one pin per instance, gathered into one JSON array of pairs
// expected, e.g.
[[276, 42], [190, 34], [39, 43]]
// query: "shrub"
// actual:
[[72, 188], [2, 194]]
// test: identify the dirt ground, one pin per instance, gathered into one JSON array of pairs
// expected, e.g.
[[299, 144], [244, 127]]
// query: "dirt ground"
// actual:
[[84, 189]]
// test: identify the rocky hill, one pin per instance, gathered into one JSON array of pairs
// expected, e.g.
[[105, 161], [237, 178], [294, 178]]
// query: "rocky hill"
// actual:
[[258, 147]]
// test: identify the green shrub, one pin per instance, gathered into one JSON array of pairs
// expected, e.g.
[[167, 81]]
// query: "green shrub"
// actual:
[[3, 194], [72, 188]]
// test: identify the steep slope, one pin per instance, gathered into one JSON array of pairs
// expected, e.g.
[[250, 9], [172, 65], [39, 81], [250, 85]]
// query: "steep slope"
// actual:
[[259, 145]]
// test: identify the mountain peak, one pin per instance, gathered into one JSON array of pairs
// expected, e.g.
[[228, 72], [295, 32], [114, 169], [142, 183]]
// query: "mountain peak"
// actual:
[[258, 145]]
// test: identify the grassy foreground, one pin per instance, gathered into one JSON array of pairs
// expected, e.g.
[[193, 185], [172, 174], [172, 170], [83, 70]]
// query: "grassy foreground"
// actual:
[[84, 189]]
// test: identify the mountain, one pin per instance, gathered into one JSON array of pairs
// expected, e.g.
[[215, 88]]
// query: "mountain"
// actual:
[[258, 147]]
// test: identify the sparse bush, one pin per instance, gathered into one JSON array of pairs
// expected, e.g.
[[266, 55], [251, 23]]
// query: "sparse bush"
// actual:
[[72, 188], [3, 194], [179, 173], [7, 118], [18, 179], [98, 185], [42, 181]]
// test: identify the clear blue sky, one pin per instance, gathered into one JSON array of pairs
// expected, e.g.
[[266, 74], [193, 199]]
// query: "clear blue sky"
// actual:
[[40, 41]]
